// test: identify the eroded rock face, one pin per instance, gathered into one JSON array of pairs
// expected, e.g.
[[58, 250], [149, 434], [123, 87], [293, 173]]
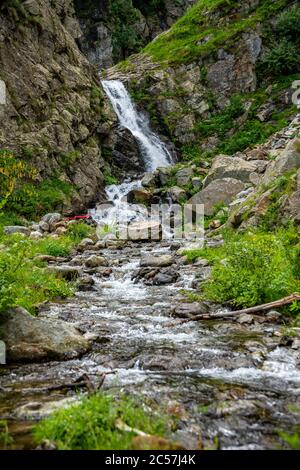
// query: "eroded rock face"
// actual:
[[31, 339], [55, 108]]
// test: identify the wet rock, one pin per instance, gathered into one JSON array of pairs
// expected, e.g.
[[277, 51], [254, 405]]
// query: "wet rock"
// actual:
[[245, 319], [38, 410], [296, 344], [157, 261], [149, 180], [86, 284], [191, 309], [85, 244], [139, 196], [165, 278], [273, 316], [144, 231], [32, 339], [95, 261], [10, 230], [220, 191], [70, 273]]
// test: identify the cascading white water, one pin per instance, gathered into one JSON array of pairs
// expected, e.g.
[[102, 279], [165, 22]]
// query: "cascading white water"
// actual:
[[154, 152]]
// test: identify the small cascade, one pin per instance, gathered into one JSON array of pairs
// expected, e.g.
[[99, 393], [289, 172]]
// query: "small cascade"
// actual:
[[154, 152]]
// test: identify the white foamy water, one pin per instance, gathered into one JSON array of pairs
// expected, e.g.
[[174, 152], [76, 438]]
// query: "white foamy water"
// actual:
[[154, 152]]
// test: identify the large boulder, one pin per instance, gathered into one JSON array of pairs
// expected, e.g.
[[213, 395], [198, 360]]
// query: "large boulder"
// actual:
[[220, 191], [288, 160], [33, 339], [230, 167], [144, 231]]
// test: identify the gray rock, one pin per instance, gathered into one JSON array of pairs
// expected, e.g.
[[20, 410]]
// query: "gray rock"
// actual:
[[184, 176], [245, 319], [31, 339], [288, 160], [52, 218], [157, 261], [149, 180], [177, 194], [197, 182], [85, 244], [144, 231], [70, 273], [36, 235], [217, 192], [95, 261], [10, 230], [44, 226], [230, 167], [190, 309]]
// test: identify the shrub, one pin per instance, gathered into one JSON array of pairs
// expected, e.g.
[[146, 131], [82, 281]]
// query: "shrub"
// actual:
[[23, 281], [282, 58], [288, 25], [91, 424], [253, 268], [79, 231]]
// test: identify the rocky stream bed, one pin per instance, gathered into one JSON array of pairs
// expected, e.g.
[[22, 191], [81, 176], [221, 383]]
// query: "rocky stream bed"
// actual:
[[231, 384]]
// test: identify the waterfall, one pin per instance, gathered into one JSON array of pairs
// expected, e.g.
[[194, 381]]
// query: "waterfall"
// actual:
[[154, 152]]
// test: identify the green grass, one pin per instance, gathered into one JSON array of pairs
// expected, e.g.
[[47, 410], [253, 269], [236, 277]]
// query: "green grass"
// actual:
[[201, 31], [24, 280], [91, 424], [252, 268]]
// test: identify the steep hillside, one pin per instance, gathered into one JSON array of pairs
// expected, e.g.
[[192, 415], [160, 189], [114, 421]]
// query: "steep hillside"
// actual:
[[220, 79], [114, 29]]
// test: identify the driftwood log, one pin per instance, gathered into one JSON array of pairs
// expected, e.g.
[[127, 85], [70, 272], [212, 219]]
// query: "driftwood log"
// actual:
[[258, 308]]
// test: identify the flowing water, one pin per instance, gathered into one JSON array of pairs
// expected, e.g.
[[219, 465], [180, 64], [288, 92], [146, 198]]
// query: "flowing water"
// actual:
[[231, 385]]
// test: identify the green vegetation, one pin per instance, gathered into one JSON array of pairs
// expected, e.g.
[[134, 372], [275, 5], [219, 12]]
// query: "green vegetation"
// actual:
[[108, 178], [252, 268], [94, 423], [200, 31], [24, 280], [5, 438]]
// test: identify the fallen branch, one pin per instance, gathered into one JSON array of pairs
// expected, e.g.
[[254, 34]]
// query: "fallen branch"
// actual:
[[259, 308]]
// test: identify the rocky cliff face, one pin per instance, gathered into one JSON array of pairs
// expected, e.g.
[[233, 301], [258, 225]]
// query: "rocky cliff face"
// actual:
[[208, 78], [111, 30], [56, 115]]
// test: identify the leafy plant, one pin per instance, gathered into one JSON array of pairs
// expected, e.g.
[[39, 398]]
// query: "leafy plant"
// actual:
[[252, 268], [92, 424], [282, 58]]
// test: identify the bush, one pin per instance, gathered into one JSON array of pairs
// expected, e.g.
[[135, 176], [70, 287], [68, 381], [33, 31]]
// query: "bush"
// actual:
[[24, 281], [91, 424], [288, 25], [253, 268], [78, 232], [282, 58]]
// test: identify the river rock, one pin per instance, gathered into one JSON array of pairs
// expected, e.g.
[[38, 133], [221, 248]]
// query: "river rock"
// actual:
[[139, 196], [32, 339], [144, 231], [191, 309], [220, 191], [10, 230], [157, 261], [149, 180], [95, 261], [70, 273], [85, 244]]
